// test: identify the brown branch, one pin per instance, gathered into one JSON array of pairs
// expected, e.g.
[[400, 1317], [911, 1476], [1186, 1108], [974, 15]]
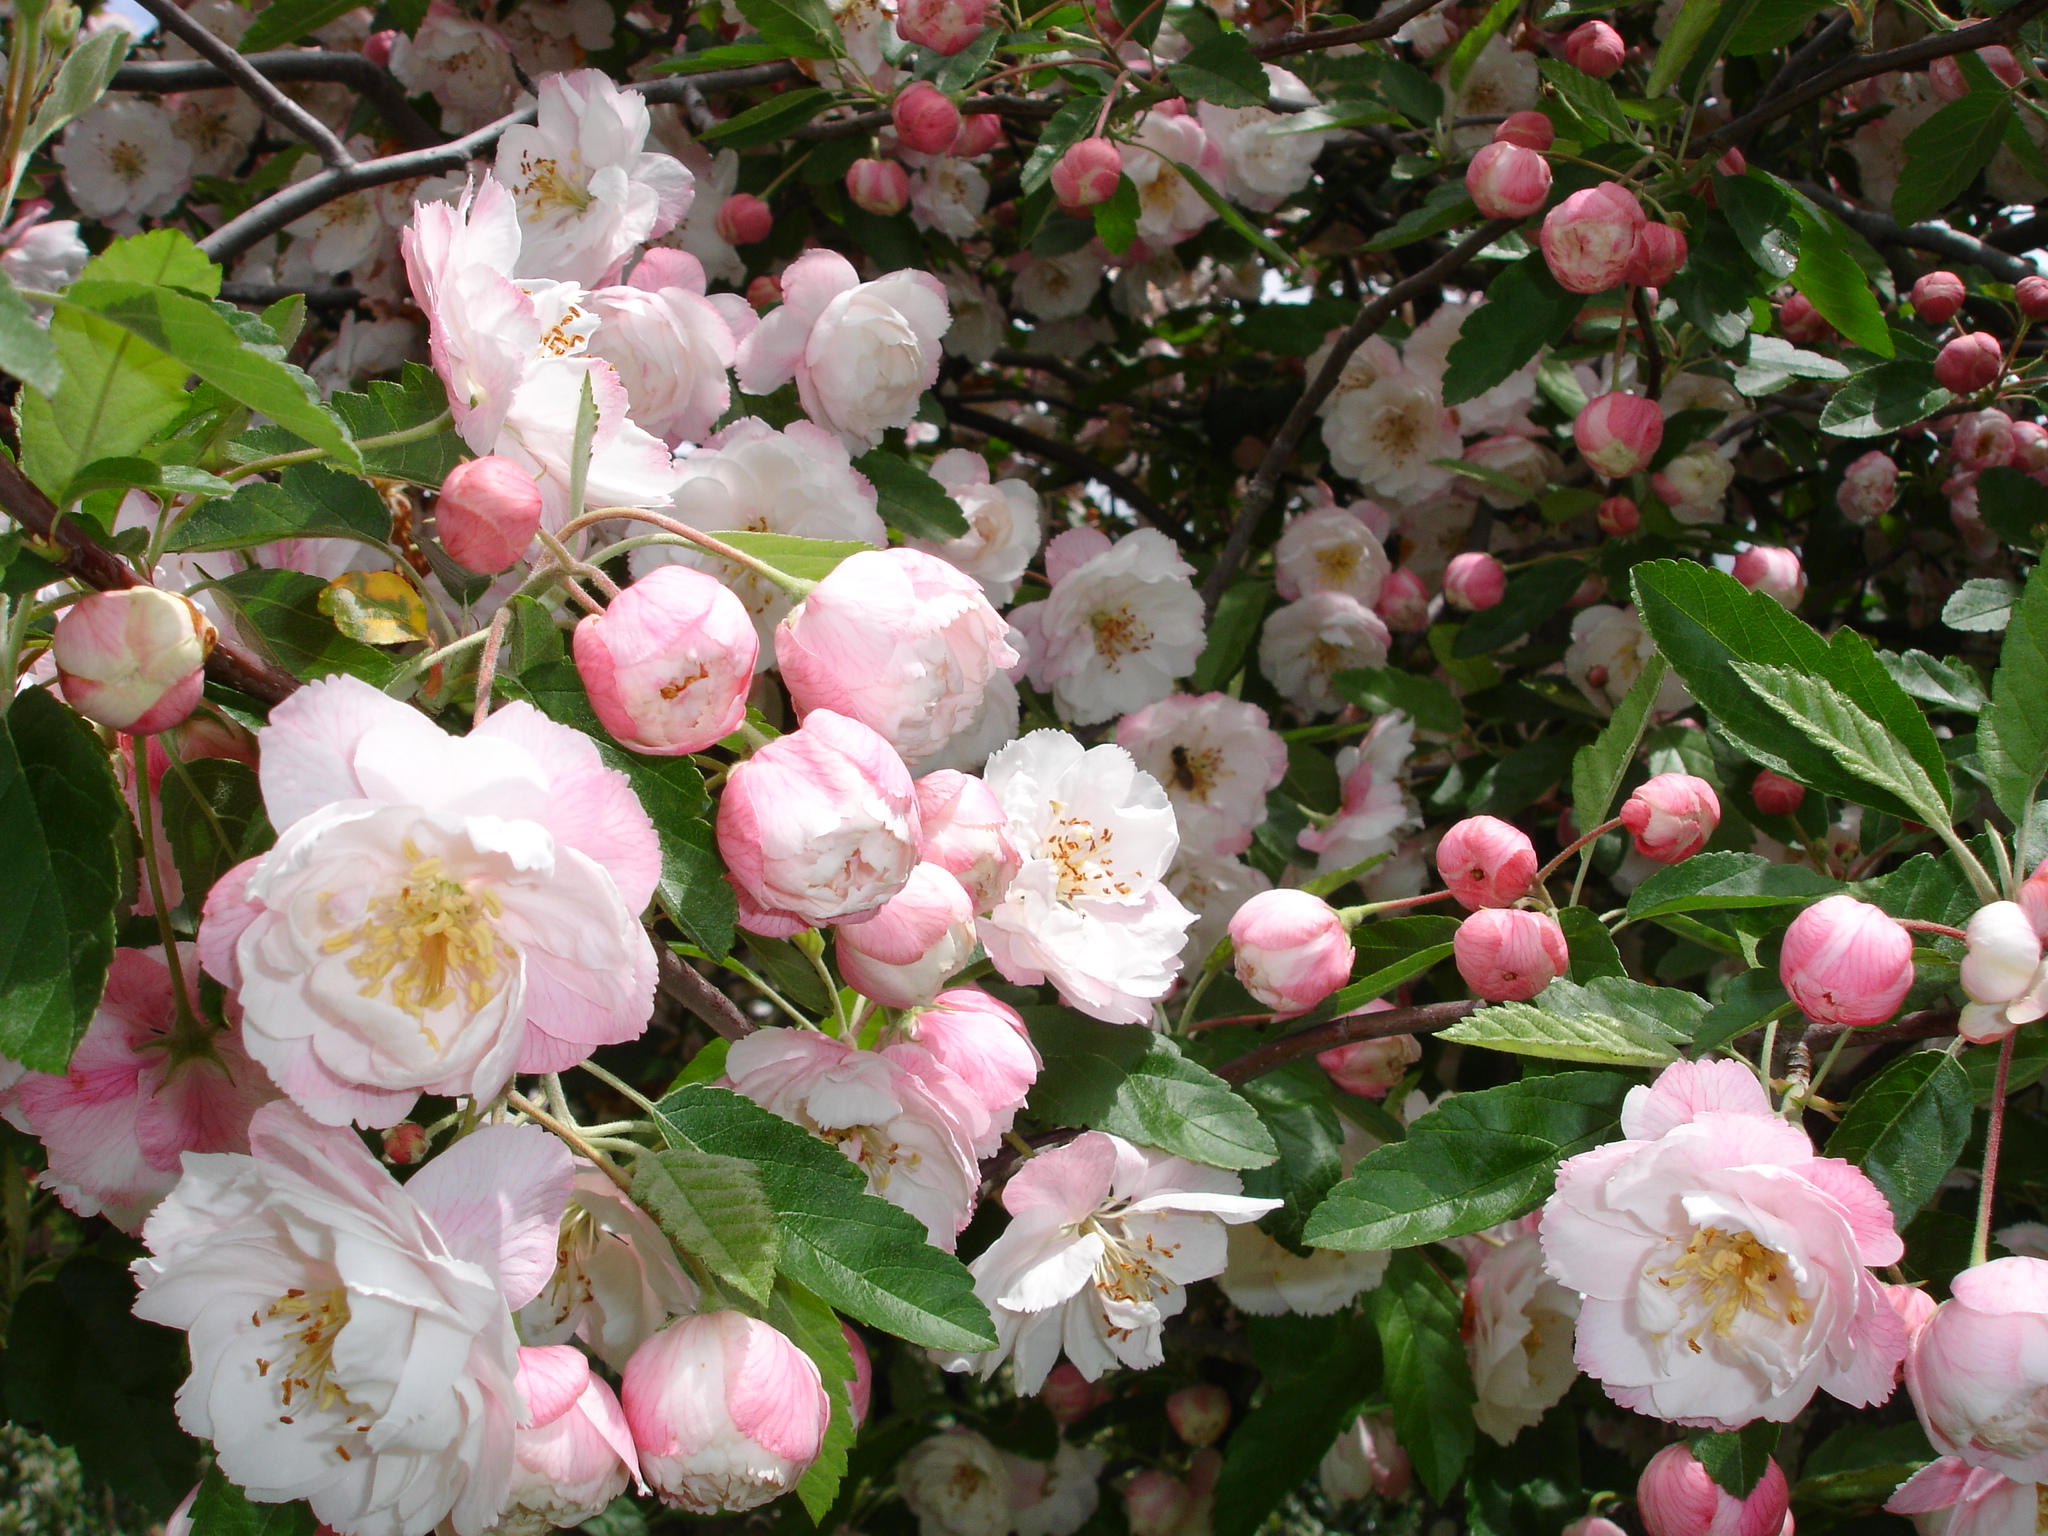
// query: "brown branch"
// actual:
[[1265, 482], [1932, 238], [1383, 26], [679, 980], [1077, 459], [1424, 1019], [290, 66], [288, 113]]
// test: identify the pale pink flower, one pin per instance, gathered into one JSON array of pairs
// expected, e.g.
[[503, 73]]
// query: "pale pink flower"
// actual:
[[964, 830], [1509, 954], [1213, 886], [130, 1103], [577, 1454], [1087, 173], [2002, 972], [1305, 644], [1950, 1497], [325, 1306], [1266, 157], [1055, 1498], [1725, 1268], [1589, 238], [1267, 1280], [949, 195], [487, 513], [1846, 961], [1003, 520], [1366, 1458], [1121, 624], [983, 1042], [628, 467], [1371, 1069], [124, 162], [1104, 1238], [1390, 436], [1518, 1329], [1671, 816], [1608, 652], [1375, 808], [1976, 1369], [438, 911], [463, 63], [912, 944], [957, 1484], [616, 1281], [1169, 208], [862, 354], [1058, 287], [671, 344], [1869, 487], [669, 662], [1508, 181], [1216, 757], [1330, 549]]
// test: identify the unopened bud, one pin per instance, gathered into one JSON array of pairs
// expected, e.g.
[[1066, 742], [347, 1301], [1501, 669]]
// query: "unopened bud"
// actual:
[[488, 513], [1618, 433], [1199, 1415], [1087, 173], [882, 187], [1595, 48], [926, 119], [1973, 361], [1474, 581], [133, 660], [405, 1143], [743, 219], [1937, 297], [1618, 517]]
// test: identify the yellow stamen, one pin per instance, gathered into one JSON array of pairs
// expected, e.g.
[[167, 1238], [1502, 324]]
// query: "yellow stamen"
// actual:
[[432, 940]]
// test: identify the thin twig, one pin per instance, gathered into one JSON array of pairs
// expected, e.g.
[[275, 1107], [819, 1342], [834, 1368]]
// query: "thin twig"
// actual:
[[1382, 26], [1934, 238], [574, 1138], [1423, 1019], [1079, 460], [252, 84], [290, 66]]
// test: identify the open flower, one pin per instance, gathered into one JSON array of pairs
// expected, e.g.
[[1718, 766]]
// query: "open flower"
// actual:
[[1104, 1239], [1216, 757], [616, 1281], [1123, 622], [1518, 1330]]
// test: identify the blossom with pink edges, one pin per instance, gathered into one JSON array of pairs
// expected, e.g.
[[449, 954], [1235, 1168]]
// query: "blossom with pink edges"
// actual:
[[1846, 962], [1366, 1458], [1508, 955], [1953, 1498], [616, 1280], [911, 945], [1589, 239], [1216, 757], [1003, 518], [577, 1455], [1676, 1496], [982, 1041], [671, 343], [1475, 581], [438, 911], [1774, 572], [1776, 795], [2030, 294], [1531, 130], [669, 662], [1507, 181], [1671, 816], [1292, 950], [726, 1412], [487, 513], [880, 187], [2002, 973], [1486, 862], [1937, 297], [1619, 433], [1976, 1369], [1404, 602], [1518, 1329], [1199, 1414], [134, 660], [1331, 549], [1305, 644], [1725, 1268], [1869, 487], [963, 829]]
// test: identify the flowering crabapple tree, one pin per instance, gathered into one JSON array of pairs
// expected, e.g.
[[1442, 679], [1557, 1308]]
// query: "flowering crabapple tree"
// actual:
[[1090, 768]]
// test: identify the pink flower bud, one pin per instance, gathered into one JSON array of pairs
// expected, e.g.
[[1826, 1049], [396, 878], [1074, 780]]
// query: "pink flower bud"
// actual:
[[860, 1391], [1981, 439], [926, 119], [966, 833], [1200, 1414], [1732, 164], [1507, 181], [881, 187], [1671, 817], [1593, 1525], [2003, 953], [1970, 362], [576, 1455], [744, 219], [1531, 130], [764, 292], [1087, 173], [1590, 238], [1292, 950], [1846, 962], [2029, 448], [1869, 487], [405, 1143], [1937, 297], [979, 133], [1799, 321], [1474, 581], [668, 665], [1507, 955], [726, 1412], [2031, 294], [1618, 517], [1951, 84], [912, 944], [1915, 1308], [1486, 862], [1773, 572], [1660, 252], [1595, 48], [1976, 1370], [134, 660], [1618, 433], [1371, 1069], [1155, 1503], [1776, 795], [1676, 1496], [488, 513], [820, 825], [1403, 602], [1588, 592], [377, 46], [944, 26], [983, 1042], [1068, 1395]]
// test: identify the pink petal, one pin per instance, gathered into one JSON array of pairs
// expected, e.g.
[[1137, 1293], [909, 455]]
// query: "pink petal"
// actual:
[[772, 1392], [1687, 1089], [1074, 1179], [600, 1405], [815, 279], [308, 749], [2016, 1285], [498, 1196], [1937, 1485], [551, 1378], [1869, 1213], [767, 359]]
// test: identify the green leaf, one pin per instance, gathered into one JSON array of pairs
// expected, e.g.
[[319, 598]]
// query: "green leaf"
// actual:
[[1470, 45], [803, 29], [1907, 1128], [1532, 596], [213, 819], [808, 559], [1221, 68], [1945, 153], [26, 350], [283, 607], [61, 855], [713, 1207], [1681, 42], [161, 480], [2013, 505], [1227, 212], [1590, 945], [1860, 745], [1445, 207], [312, 501], [1774, 362], [1232, 633], [1764, 220], [1600, 767], [2012, 735], [1606, 1022], [1829, 277], [1319, 1371], [117, 394], [1717, 283], [1883, 400], [1116, 217], [1526, 310], [1133, 1083], [692, 889], [1773, 24], [813, 1327], [222, 1509], [911, 501], [384, 408], [1072, 123], [286, 21], [726, 56], [1593, 100], [90, 1374], [1377, 984], [1949, 685], [1719, 881], [1981, 605], [1401, 85], [772, 120], [87, 72], [1295, 1105], [1477, 1159], [1382, 690], [1750, 999], [1737, 1460], [1428, 1378], [857, 1253]]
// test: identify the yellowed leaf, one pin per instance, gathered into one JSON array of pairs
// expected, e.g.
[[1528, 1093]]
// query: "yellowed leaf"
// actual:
[[376, 607]]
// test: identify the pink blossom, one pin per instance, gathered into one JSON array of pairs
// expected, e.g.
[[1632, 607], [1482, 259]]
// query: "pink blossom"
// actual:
[[487, 513], [1982, 439], [1846, 962], [1370, 1069], [1366, 1458], [925, 118], [1069, 1396], [1507, 181], [1660, 252], [616, 1279], [743, 219], [1590, 238], [1776, 795], [819, 826], [962, 828], [1156, 1503], [1518, 1330], [1199, 1414], [1618, 517], [880, 187], [1953, 1498], [1331, 549], [1976, 1369], [1216, 757], [1969, 363], [1594, 48], [1869, 487], [668, 664], [671, 344], [1507, 955], [1671, 817], [1725, 1268], [1531, 130], [911, 945], [1087, 173], [1618, 433], [133, 660], [1292, 950], [2002, 973], [1486, 862], [861, 1386], [983, 1042], [1775, 572], [1404, 602], [577, 1455], [1475, 581], [1305, 644], [726, 1412], [1676, 1496], [944, 26], [1937, 297]]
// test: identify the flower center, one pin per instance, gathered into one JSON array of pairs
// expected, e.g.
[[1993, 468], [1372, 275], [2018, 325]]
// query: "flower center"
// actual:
[[1337, 562], [542, 185], [127, 161], [1196, 770], [1732, 1273], [874, 1153], [431, 940], [1127, 1272], [1086, 864], [313, 1320], [564, 338], [1118, 633]]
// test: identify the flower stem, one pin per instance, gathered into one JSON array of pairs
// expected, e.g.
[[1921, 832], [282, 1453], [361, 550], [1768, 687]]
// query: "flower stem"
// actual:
[[1980, 1244], [795, 586], [614, 1082], [574, 1139], [1593, 836], [189, 1028], [398, 439], [1353, 916]]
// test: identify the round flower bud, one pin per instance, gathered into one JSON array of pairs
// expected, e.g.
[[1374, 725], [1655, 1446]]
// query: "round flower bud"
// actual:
[[1403, 603], [963, 830], [1619, 433], [1371, 1069], [1773, 572], [1589, 239], [2031, 294], [1734, 163], [2003, 953], [134, 660], [1937, 297], [1068, 1395], [405, 1143], [1676, 1496], [1978, 1370], [1660, 252], [1972, 361], [1594, 1525], [860, 1390], [1618, 517], [1846, 962], [1776, 795], [944, 26], [1474, 581], [488, 512], [979, 133], [744, 219], [881, 187], [1869, 487], [764, 292], [669, 663], [1292, 950], [1671, 817], [1156, 1503], [1531, 130], [1199, 1415], [926, 120], [1087, 173], [1800, 322], [1507, 181], [2029, 448], [1594, 48], [1507, 955], [1487, 862], [726, 1412]]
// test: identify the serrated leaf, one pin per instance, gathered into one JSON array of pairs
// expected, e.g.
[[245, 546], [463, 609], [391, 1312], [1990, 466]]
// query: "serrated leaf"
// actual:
[[1446, 206], [772, 120], [1600, 767], [1478, 1159], [219, 1508], [910, 500], [1571, 1023], [213, 819], [1681, 41], [1858, 743], [1830, 278], [375, 607], [2012, 735], [311, 501], [1425, 700], [1945, 153], [1907, 1128], [1722, 881], [1228, 213], [1232, 632], [807, 559], [1884, 400], [1116, 217], [283, 609], [1750, 999], [1593, 100], [1428, 1378], [1737, 1460], [26, 350], [1525, 311], [2013, 505], [1981, 605], [87, 72], [1475, 40], [1221, 68], [714, 1208], [1946, 684], [813, 1327]]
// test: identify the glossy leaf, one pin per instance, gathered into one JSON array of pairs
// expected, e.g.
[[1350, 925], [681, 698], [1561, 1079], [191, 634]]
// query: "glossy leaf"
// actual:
[[1907, 1128], [1428, 1378], [714, 1208]]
